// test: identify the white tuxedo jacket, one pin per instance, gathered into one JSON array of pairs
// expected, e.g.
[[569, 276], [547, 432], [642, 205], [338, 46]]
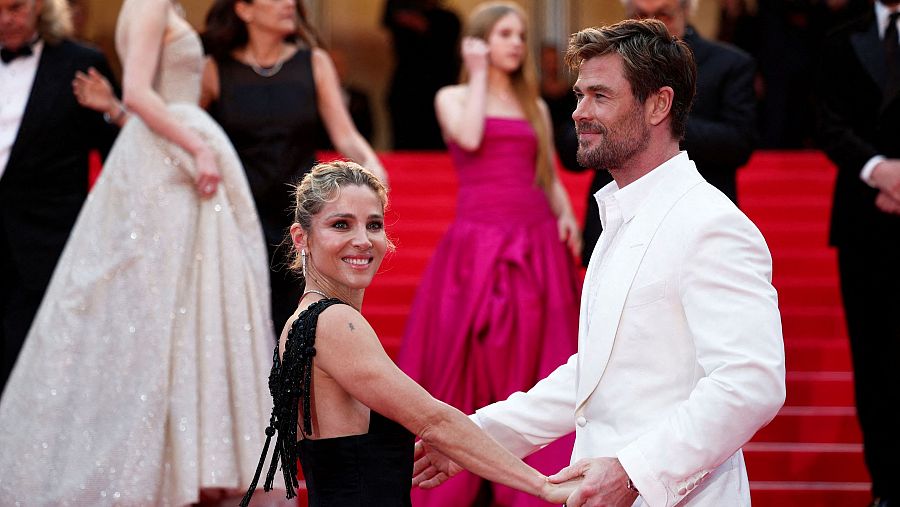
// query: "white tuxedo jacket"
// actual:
[[698, 365]]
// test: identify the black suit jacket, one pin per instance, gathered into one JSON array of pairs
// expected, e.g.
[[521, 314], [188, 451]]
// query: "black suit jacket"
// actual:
[[46, 178], [858, 119], [721, 128]]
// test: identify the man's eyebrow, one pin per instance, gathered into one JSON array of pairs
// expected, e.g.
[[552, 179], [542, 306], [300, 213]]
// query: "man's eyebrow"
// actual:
[[593, 88]]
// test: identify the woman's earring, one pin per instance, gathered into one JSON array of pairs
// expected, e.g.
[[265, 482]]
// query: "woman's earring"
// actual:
[[303, 262]]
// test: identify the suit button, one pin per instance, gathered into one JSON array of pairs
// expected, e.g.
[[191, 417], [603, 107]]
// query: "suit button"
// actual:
[[581, 421], [682, 491]]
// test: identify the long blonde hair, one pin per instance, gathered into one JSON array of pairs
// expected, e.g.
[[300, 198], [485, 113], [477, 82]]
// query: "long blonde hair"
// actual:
[[55, 21], [524, 81]]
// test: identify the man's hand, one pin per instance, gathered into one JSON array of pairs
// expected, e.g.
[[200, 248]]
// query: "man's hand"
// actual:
[[604, 483], [886, 177], [887, 204], [432, 468]]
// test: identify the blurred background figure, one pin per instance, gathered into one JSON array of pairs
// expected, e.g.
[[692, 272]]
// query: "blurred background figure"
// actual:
[[556, 89], [859, 127], [143, 378], [721, 127], [45, 141], [270, 86], [355, 100], [497, 307], [273, 113], [424, 39]]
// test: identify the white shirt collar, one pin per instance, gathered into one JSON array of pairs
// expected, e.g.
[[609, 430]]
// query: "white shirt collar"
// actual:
[[882, 15], [632, 196]]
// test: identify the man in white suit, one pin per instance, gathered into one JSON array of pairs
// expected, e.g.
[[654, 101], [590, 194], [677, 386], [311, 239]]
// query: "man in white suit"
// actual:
[[680, 356]]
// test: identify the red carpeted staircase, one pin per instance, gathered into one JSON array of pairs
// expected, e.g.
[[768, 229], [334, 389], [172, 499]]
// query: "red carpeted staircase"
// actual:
[[811, 453]]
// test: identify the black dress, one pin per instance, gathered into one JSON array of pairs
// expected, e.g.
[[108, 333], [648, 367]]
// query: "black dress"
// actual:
[[272, 123], [373, 469]]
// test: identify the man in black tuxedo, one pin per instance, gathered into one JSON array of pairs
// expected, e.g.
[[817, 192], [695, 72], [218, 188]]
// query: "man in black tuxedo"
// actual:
[[721, 128], [45, 140], [859, 128]]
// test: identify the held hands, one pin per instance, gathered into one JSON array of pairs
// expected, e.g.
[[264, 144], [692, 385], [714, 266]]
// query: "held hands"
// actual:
[[432, 468], [604, 483], [559, 493], [569, 233], [475, 55], [207, 179]]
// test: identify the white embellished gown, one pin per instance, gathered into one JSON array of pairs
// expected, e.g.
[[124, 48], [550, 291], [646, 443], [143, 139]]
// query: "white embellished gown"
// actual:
[[144, 376]]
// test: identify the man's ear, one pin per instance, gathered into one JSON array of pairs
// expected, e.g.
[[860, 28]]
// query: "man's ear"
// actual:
[[659, 105], [299, 237]]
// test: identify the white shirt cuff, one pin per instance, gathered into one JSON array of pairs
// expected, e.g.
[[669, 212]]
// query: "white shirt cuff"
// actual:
[[866, 173]]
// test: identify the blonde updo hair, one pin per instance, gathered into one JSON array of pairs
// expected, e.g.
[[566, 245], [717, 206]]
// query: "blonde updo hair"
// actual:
[[323, 185]]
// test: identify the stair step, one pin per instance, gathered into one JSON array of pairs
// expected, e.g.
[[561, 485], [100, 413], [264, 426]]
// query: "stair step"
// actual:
[[818, 494], [812, 425], [819, 389], [817, 355], [818, 462], [815, 322], [796, 291]]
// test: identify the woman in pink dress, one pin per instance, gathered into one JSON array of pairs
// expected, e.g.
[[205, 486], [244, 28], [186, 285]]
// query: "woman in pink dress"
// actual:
[[497, 308]]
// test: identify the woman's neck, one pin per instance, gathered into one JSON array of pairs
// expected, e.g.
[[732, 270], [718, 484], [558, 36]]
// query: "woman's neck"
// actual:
[[265, 49], [499, 82], [353, 297]]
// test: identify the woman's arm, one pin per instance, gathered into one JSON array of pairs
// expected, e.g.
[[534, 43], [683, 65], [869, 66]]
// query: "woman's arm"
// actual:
[[461, 110], [146, 32], [341, 130], [557, 195], [209, 84], [349, 351]]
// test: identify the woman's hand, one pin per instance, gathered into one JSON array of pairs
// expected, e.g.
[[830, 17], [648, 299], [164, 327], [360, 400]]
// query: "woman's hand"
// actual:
[[475, 55], [207, 179], [569, 233], [559, 493], [93, 91]]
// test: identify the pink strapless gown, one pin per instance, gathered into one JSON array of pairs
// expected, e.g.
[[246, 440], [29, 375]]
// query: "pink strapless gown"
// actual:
[[497, 307]]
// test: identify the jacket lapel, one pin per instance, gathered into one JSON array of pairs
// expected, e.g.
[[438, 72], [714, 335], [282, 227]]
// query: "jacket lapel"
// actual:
[[53, 77], [870, 51], [619, 273]]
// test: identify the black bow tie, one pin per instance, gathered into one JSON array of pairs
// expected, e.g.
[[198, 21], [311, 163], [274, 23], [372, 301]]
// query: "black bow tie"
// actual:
[[8, 55]]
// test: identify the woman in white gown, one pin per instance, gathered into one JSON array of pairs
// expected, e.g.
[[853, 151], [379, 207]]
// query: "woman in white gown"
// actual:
[[143, 378]]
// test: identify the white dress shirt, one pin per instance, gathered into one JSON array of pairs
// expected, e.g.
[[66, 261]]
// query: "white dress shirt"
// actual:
[[16, 80]]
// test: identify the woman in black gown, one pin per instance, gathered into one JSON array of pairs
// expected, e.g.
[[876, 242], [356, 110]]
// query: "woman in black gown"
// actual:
[[356, 412], [268, 83]]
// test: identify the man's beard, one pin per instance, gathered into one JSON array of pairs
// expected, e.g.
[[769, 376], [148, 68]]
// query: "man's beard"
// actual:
[[611, 154]]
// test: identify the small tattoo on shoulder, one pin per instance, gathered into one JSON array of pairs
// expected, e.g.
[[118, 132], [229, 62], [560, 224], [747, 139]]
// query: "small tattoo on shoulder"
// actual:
[[350, 325]]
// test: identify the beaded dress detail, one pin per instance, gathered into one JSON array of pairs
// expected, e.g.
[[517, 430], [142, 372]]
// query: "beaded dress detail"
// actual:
[[358, 470], [142, 379]]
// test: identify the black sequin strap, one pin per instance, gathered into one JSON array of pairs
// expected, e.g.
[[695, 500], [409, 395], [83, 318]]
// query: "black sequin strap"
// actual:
[[290, 382]]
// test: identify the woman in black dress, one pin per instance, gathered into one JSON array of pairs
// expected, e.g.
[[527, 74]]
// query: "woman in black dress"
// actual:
[[268, 83], [356, 412]]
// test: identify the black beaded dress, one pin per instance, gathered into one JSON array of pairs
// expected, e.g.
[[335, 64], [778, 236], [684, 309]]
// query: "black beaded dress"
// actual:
[[273, 123], [373, 469]]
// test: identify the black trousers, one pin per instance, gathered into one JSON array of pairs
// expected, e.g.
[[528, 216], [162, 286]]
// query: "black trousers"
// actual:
[[870, 286]]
